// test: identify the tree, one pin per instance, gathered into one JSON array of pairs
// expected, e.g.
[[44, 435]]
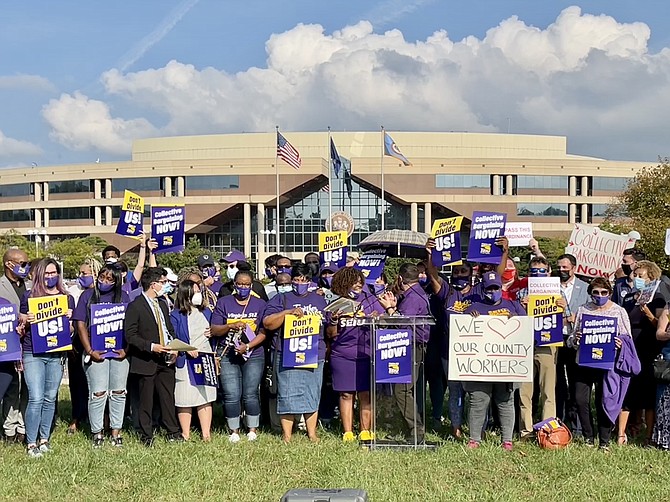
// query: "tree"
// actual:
[[73, 252], [13, 239], [551, 247], [644, 206], [187, 258]]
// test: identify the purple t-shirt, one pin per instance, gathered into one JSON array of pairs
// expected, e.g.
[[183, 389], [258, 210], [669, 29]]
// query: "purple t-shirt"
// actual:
[[130, 284], [414, 302], [312, 303], [27, 342], [216, 287], [353, 337], [227, 309], [507, 308], [82, 312]]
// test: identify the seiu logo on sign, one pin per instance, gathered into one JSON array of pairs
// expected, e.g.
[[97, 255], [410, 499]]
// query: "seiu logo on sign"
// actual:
[[394, 368], [485, 248], [351, 322], [596, 353]]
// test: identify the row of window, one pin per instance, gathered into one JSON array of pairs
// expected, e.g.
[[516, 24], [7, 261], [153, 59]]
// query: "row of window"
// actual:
[[547, 209], [522, 184]]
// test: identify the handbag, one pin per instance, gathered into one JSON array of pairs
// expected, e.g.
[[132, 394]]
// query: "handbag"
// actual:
[[662, 369], [553, 435]]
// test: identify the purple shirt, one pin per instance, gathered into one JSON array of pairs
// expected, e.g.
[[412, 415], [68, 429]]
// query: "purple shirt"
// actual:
[[503, 308], [82, 311], [27, 342], [227, 309], [353, 338], [414, 302], [311, 303]]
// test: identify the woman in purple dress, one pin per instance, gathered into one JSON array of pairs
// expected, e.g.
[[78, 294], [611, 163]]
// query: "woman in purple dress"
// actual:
[[350, 351]]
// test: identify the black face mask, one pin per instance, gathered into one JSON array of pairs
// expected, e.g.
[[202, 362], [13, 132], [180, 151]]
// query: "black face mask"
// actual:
[[564, 275], [313, 268], [627, 269]]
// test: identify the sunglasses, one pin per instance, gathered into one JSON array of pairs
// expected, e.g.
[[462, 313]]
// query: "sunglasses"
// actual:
[[600, 292], [232, 266], [22, 264], [538, 270]]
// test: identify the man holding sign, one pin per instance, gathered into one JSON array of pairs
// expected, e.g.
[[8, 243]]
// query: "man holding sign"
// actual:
[[607, 360]]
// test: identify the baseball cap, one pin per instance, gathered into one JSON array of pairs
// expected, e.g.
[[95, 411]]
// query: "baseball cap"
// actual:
[[205, 260], [491, 279], [328, 266], [170, 275], [234, 255], [352, 256]]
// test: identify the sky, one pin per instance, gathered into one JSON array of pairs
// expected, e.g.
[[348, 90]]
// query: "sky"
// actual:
[[80, 80]]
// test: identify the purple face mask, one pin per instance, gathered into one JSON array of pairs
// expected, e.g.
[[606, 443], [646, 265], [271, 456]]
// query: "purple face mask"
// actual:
[[378, 289], [21, 272], [105, 287], [208, 272], [284, 270], [600, 300], [85, 281], [300, 288], [243, 293], [493, 296], [328, 281], [51, 282]]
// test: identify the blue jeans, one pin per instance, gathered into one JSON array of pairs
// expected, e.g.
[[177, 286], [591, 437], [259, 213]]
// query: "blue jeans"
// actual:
[[106, 380], [43, 374], [241, 380]]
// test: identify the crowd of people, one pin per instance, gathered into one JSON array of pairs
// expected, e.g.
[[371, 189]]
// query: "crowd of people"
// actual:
[[148, 382]]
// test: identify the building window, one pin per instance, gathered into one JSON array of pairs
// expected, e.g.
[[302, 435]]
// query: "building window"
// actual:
[[462, 181], [599, 210], [70, 186], [610, 183], [542, 209], [70, 213], [526, 184], [136, 185], [17, 215], [17, 190], [210, 183]]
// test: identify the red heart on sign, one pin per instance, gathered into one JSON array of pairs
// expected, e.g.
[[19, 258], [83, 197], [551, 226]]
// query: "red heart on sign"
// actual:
[[503, 327]]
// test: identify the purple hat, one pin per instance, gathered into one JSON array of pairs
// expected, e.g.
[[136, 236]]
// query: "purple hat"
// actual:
[[331, 267], [234, 255], [491, 279]]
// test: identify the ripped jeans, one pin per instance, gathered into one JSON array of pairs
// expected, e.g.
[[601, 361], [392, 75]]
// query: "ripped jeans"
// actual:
[[106, 380]]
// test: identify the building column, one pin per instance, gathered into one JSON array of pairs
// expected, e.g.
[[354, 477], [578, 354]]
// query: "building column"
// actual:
[[496, 185], [45, 223], [97, 216], [414, 217], [38, 218], [108, 188], [167, 186], [585, 213], [45, 191], [427, 217], [572, 186], [247, 229], [509, 185], [96, 189], [572, 216], [37, 189], [181, 186], [108, 215], [585, 187], [260, 253]]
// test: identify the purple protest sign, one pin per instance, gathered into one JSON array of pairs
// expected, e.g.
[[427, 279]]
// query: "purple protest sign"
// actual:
[[548, 330], [393, 356], [131, 218], [168, 227], [10, 344], [107, 333], [485, 229], [372, 264], [202, 370], [447, 236], [596, 344]]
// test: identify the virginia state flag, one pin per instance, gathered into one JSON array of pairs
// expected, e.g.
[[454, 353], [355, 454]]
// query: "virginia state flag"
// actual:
[[392, 150], [335, 158]]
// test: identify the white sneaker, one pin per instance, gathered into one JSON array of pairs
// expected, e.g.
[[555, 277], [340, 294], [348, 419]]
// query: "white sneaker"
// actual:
[[251, 436], [234, 437]]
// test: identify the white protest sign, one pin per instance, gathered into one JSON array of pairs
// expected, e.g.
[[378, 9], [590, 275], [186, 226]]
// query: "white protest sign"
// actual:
[[518, 233], [544, 286], [598, 253], [667, 241], [491, 348]]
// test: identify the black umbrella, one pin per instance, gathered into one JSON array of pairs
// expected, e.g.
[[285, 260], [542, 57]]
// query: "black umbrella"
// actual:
[[398, 243]]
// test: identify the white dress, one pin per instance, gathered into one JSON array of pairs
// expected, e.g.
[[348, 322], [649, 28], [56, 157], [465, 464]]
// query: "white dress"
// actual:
[[187, 395]]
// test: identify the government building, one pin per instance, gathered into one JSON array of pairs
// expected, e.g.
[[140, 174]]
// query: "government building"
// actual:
[[228, 183]]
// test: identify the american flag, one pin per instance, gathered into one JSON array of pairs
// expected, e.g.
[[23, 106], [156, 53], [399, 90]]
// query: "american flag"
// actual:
[[326, 189], [287, 153]]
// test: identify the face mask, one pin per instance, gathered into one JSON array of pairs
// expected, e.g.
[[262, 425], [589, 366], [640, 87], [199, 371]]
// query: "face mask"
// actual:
[[639, 283], [269, 274], [231, 272], [493, 296], [161, 291], [378, 289], [196, 299], [327, 281], [208, 272], [460, 283], [423, 280], [105, 287], [284, 288], [284, 270], [243, 293], [354, 295], [600, 300], [217, 276], [51, 282], [627, 269], [85, 281], [313, 268], [168, 288], [111, 261], [21, 272], [564, 275], [300, 288]]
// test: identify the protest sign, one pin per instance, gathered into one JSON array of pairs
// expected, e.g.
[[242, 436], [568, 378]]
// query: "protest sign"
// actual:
[[301, 341], [544, 286], [447, 235], [596, 345], [667, 241], [107, 328], [490, 348], [333, 248], [393, 356], [168, 227], [202, 370], [485, 229], [372, 264], [10, 344], [598, 253], [547, 319], [518, 233], [647, 294], [51, 329], [131, 218]]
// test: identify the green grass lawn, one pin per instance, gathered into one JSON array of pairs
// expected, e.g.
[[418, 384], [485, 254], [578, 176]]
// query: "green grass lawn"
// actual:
[[264, 470]]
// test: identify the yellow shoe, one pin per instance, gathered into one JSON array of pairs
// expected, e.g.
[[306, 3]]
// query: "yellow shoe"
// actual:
[[366, 436], [348, 437]]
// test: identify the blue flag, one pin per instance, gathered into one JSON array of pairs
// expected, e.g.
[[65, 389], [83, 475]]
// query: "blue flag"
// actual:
[[392, 150], [335, 158]]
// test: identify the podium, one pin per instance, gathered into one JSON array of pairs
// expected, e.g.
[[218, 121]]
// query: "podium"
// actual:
[[397, 359]]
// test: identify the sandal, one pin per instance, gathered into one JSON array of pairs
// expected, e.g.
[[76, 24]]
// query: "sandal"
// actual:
[[622, 439]]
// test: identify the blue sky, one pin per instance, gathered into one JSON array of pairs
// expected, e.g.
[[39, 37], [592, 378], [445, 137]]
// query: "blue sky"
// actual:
[[79, 80]]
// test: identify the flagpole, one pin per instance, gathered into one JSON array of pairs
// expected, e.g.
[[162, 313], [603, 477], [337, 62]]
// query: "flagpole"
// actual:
[[330, 180], [277, 176], [382, 187]]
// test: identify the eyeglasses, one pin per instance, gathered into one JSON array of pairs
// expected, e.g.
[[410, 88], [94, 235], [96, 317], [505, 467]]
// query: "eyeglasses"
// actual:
[[164, 281], [538, 270], [22, 264], [600, 292], [232, 265]]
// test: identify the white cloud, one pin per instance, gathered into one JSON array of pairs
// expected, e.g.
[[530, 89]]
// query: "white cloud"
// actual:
[[10, 147], [588, 77], [26, 82]]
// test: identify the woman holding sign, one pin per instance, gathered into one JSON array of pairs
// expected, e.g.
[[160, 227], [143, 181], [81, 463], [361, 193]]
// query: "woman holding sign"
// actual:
[[300, 374], [237, 321], [190, 319], [606, 360], [350, 351], [99, 318], [47, 310]]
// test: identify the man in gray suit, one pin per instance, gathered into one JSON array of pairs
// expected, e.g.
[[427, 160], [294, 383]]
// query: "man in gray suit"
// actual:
[[575, 292], [13, 285]]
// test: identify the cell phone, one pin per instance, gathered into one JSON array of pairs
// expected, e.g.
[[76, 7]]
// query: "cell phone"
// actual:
[[87, 358]]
